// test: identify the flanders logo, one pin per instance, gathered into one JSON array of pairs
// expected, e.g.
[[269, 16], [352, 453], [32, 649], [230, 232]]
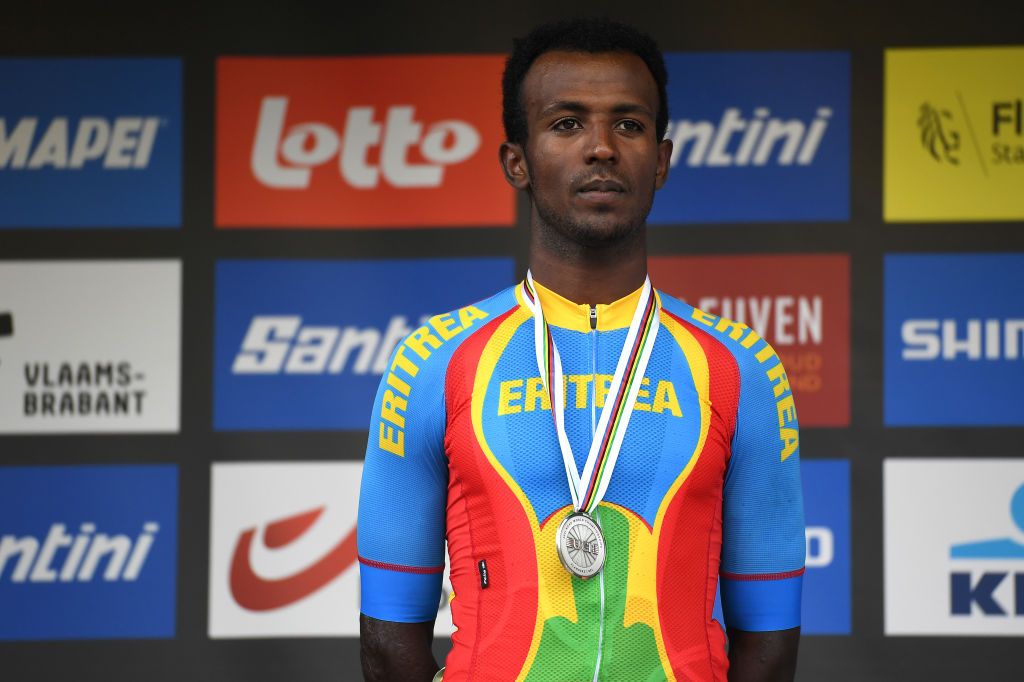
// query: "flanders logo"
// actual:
[[938, 136], [954, 134]]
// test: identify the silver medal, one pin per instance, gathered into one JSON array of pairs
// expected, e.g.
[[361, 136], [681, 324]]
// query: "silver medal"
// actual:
[[580, 544]]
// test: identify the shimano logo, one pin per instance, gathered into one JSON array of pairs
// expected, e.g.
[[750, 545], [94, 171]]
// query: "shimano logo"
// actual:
[[82, 556], [124, 142], [752, 140], [931, 339], [307, 145], [276, 344]]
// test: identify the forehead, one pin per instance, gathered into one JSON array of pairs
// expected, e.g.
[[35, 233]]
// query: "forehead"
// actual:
[[596, 79]]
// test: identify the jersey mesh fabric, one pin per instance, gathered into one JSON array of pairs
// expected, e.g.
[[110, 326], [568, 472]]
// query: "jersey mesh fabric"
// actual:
[[705, 429]]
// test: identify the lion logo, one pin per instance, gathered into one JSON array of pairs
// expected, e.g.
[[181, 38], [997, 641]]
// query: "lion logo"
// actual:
[[937, 135]]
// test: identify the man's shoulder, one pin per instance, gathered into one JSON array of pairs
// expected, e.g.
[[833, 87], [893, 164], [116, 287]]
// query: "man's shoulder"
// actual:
[[749, 350], [424, 354]]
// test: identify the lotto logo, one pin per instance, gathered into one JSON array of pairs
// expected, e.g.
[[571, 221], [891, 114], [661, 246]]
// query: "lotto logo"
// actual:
[[306, 145], [360, 142]]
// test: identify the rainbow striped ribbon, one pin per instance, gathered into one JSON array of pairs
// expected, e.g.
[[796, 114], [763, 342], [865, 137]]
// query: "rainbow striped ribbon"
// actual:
[[619, 403]]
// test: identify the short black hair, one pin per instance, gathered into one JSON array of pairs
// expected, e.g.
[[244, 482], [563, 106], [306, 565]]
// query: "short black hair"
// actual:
[[581, 35]]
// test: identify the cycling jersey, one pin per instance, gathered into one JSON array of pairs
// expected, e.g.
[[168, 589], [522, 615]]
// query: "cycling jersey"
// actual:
[[706, 490]]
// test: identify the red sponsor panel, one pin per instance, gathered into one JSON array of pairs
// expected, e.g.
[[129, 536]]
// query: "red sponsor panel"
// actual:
[[800, 303], [360, 142]]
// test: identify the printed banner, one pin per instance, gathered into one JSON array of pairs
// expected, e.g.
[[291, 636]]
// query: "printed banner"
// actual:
[[757, 137], [954, 546], [90, 142], [89, 346], [800, 303], [954, 134], [283, 559], [954, 338], [88, 552], [360, 142], [303, 344]]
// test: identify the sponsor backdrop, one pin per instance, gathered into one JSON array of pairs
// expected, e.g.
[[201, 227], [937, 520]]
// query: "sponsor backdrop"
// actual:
[[183, 410]]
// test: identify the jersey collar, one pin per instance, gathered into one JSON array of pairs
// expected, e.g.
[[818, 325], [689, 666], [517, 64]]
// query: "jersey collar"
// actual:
[[561, 312]]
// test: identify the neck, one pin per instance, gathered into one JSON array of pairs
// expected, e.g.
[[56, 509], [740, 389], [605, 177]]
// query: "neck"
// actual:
[[588, 274]]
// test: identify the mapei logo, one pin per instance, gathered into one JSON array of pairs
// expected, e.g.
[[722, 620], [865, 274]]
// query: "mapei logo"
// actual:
[[799, 303], [292, 353], [99, 146], [954, 134], [961, 572], [283, 549], [88, 552], [124, 142], [757, 136], [954, 339], [359, 142]]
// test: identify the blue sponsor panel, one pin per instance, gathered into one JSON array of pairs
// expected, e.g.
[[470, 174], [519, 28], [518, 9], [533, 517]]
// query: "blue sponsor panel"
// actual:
[[825, 608], [954, 337], [90, 142], [88, 552], [826, 599], [302, 345], [758, 137]]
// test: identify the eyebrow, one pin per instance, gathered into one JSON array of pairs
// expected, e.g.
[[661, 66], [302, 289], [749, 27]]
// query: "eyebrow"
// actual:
[[581, 108]]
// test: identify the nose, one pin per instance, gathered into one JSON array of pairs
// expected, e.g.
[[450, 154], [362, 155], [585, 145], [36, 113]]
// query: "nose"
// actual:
[[601, 145]]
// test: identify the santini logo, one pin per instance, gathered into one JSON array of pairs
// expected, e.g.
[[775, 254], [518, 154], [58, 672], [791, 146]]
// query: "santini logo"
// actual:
[[306, 145], [36, 561], [281, 344], [980, 587], [124, 142], [257, 593], [975, 340], [757, 140]]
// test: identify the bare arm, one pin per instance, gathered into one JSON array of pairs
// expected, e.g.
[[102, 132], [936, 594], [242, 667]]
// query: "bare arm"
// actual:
[[396, 651], [763, 656]]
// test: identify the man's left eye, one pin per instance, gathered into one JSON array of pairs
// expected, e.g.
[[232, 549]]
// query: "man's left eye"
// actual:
[[630, 125]]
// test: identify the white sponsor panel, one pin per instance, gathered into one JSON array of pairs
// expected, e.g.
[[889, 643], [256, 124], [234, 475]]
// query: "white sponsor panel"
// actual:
[[282, 550], [90, 346], [954, 547]]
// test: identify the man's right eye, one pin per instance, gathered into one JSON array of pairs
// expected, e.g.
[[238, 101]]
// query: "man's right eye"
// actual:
[[567, 124]]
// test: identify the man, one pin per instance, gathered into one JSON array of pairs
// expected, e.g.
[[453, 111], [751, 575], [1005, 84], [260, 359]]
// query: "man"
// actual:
[[599, 456]]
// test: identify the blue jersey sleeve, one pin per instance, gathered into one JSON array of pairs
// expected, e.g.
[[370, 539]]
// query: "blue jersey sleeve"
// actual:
[[763, 539], [404, 491]]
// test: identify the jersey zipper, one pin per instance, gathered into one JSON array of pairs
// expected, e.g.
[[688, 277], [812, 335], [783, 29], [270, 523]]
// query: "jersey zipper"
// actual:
[[597, 513]]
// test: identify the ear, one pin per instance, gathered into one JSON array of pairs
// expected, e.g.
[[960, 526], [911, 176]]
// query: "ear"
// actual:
[[513, 162], [664, 157]]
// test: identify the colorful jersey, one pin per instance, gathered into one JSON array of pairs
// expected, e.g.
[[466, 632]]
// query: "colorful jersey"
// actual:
[[706, 491]]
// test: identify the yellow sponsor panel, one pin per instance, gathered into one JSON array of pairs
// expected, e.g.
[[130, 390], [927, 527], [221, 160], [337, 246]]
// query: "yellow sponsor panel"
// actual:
[[954, 134]]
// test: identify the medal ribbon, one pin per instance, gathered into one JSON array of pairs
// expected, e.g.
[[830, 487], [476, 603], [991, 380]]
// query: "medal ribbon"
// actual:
[[588, 490]]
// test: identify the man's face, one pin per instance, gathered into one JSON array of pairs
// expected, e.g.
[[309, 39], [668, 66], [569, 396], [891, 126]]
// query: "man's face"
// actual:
[[592, 160]]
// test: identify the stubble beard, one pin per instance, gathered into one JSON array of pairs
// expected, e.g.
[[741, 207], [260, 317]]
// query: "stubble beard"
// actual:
[[570, 236]]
